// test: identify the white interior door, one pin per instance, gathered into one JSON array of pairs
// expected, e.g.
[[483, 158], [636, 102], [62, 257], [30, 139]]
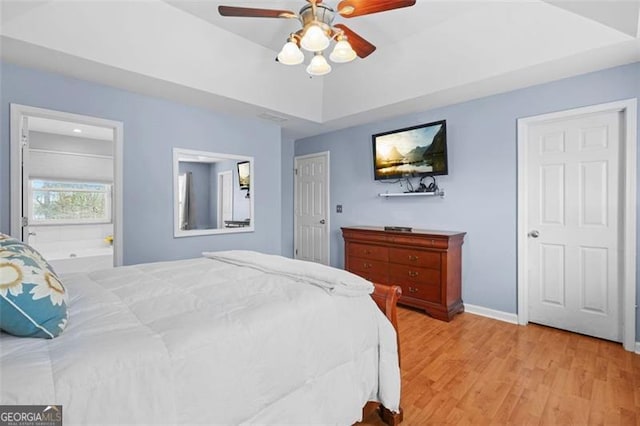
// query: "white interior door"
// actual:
[[312, 208], [573, 223], [225, 198]]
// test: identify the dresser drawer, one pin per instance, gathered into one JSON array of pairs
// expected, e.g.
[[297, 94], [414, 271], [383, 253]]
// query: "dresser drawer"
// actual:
[[357, 264], [430, 293], [419, 258], [401, 274], [379, 278], [367, 251]]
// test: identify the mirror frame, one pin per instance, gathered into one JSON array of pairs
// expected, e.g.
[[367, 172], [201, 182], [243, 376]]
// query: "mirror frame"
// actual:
[[177, 232]]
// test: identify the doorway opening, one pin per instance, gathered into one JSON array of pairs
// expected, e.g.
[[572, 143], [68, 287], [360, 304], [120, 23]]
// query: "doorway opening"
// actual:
[[66, 191]]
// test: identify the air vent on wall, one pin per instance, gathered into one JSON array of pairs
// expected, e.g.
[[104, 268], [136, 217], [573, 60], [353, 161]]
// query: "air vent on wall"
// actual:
[[271, 117]]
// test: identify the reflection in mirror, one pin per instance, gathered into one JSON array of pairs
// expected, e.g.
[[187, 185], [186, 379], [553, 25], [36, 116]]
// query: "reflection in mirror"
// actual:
[[211, 193]]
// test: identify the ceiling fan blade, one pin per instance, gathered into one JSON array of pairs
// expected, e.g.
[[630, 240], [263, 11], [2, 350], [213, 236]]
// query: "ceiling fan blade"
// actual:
[[248, 12], [362, 47], [353, 8]]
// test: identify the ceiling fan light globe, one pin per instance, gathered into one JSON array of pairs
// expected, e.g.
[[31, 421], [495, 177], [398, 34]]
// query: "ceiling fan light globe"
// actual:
[[342, 52], [290, 54], [319, 66], [314, 39]]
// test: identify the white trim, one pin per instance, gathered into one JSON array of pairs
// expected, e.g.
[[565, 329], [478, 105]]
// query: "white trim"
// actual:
[[219, 194], [118, 193], [629, 308], [491, 313], [522, 220], [637, 348], [74, 154], [628, 108], [220, 200], [326, 154], [179, 233], [17, 112]]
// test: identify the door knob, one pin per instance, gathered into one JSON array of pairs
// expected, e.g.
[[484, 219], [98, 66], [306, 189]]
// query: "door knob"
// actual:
[[322, 222], [534, 234]]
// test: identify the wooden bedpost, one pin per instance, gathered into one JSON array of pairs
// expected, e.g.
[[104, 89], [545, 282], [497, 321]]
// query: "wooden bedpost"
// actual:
[[386, 297]]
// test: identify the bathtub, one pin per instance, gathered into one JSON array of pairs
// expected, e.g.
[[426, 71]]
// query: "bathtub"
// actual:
[[66, 258]]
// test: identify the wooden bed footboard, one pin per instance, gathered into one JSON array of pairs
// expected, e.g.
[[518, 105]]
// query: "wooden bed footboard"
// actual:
[[386, 297]]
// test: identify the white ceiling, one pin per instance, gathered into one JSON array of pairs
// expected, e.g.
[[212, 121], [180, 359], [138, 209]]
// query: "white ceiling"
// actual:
[[432, 54], [67, 128]]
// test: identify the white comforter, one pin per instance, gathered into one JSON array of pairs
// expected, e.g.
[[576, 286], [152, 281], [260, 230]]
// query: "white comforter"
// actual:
[[204, 341]]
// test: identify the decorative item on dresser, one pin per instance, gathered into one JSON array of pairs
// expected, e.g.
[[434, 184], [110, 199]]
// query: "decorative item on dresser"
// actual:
[[425, 264]]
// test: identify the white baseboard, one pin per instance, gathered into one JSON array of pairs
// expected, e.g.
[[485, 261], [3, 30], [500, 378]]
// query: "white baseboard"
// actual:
[[491, 313]]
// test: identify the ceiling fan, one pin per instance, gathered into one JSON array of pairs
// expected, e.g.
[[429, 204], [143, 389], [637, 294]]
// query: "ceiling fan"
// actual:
[[318, 30]]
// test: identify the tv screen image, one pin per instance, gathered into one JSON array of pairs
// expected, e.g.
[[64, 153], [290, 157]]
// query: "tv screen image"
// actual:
[[244, 170], [413, 151]]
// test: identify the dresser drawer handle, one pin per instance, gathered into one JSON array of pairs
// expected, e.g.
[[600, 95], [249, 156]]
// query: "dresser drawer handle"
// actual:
[[413, 290], [413, 258], [367, 266], [413, 274], [367, 252]]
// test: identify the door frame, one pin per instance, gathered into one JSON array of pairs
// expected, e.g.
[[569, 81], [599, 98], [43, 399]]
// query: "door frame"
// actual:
[[628, 152], [17, 113], [297, 158], [220, 197]]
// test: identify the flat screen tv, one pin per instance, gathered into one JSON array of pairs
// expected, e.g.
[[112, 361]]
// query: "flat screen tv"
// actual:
[[244, 170], [412, 151]]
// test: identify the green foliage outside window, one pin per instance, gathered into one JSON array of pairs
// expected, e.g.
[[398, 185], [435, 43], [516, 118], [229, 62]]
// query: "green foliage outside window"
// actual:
[[70, 201]]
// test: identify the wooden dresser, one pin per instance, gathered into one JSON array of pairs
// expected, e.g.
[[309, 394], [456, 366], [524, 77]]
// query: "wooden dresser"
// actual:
[[425, 264]]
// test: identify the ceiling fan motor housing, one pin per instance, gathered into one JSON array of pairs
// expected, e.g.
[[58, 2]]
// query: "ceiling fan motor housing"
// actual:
[[324, 17]]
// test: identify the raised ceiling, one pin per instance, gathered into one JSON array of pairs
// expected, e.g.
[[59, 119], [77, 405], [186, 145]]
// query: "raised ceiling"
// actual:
[[432, 54]]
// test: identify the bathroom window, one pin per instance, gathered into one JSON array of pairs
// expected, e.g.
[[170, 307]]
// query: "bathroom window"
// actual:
[[67, 202]]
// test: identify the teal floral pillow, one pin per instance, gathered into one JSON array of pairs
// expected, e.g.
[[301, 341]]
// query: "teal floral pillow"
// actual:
[[33, 301]]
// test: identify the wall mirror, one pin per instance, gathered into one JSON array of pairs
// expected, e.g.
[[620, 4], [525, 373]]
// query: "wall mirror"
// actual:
[[213, 193]]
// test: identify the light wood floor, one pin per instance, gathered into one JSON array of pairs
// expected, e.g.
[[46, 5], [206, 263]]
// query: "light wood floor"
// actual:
[[475, 370]]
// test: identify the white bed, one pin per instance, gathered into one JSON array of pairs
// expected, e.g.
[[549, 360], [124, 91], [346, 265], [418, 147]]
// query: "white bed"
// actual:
[[209, 342]]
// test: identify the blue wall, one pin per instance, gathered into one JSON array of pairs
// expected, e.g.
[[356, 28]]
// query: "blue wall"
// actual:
[[482, 182], [152, 127]]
